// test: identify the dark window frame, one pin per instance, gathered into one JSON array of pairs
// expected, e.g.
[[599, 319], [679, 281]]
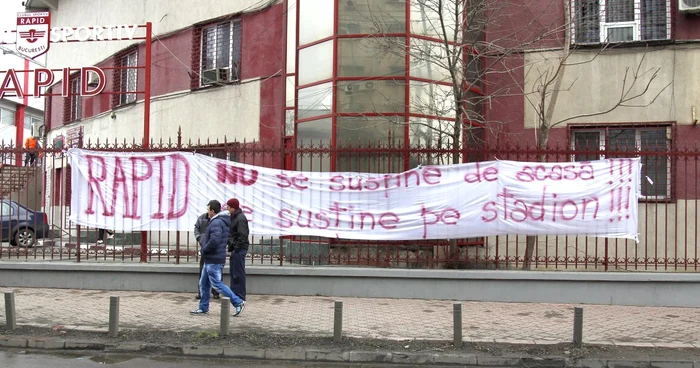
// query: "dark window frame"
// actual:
[[642, 132], [73, 103], [650, 21], [220, 52], [126, 77]]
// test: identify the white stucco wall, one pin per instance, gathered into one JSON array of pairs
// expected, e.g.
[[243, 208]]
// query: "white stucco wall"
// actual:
[[230, 111], [666, 231], [595, 86], [166, 16]]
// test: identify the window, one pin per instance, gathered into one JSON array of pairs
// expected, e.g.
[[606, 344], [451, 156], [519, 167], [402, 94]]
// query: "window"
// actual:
[[35, 126], [371, 16], [127, 77], [221, 53], [7, 117], [73, 103], [598, 21], [5, 209], [58, 142], [649, 142]]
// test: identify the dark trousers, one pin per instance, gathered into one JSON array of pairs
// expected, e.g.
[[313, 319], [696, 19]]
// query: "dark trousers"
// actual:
[[30, 159], [238, 272], [101, 234], [201, 265]]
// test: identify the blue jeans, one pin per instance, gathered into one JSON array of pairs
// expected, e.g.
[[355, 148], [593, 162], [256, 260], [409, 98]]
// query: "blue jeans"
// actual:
[[211, 277]]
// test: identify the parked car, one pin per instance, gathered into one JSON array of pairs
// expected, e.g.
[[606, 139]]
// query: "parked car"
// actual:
[[21, 225]]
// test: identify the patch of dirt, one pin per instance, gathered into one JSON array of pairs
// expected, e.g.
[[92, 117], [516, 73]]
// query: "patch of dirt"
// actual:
[[258, 340]]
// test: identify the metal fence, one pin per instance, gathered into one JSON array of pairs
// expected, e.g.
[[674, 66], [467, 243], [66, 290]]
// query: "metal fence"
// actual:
[[668, 221]]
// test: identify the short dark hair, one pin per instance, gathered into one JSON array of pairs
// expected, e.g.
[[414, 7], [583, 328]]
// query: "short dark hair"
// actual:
[[214, 205]]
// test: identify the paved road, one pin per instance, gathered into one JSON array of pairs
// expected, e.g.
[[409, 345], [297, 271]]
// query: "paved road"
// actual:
[[22, 359]]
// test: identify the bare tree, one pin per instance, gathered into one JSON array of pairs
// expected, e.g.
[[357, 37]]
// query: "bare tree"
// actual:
[[453, 62], [548, 77], [456, 63]]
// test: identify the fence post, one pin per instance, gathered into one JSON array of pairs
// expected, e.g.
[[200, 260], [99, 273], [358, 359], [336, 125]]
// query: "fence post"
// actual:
[[607, 260], [578, 326], [77, 250], [113, 316], [225, 316], [177, 247], [338, 321], [10, 316], [457, 322], [281, 251]]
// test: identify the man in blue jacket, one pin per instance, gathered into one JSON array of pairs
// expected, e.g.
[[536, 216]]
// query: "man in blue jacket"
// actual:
[[214, 255], [200, 227]]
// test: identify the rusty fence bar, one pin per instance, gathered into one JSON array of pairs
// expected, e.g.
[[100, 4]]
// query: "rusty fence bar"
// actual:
[[39, 197]]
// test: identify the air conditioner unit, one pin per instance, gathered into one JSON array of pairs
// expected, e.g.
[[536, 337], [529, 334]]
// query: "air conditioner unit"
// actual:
[[357, 87], [218, 75], [37, 130], [689, 6]]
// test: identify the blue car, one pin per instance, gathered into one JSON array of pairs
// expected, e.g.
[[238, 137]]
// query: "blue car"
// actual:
[[21, 225]]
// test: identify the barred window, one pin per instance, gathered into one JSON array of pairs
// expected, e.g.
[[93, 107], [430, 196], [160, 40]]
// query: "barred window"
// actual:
[[648, 142], [221, 53], [597, 21], [127, 77], [74, 100]]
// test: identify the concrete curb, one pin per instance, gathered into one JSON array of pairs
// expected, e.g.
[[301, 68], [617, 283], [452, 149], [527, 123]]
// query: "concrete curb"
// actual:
[[317, 356], [605, 288]]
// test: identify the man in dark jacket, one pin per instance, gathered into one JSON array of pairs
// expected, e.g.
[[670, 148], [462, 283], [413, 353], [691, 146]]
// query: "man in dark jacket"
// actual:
[[200, 227], [238, 246], [214, 255]]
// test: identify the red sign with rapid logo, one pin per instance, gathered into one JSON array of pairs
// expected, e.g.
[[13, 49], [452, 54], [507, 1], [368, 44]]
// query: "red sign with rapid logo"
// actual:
[[33, 33]]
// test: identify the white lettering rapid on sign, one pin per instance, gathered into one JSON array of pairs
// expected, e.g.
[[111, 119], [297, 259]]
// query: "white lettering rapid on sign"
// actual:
[[11, 86], [168, 191]]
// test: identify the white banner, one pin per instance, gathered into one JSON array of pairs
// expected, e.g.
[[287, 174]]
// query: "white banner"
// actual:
[[168, 191]]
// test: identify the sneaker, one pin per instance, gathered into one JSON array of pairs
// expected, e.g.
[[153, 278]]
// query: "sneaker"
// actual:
[[239, 308], [199, 311], [198, 297], [100, 242]]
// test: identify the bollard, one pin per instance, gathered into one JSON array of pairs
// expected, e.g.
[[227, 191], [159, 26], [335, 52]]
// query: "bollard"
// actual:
[[578, 326], [338, 322], [225, 316], [457, 321], [10, 310], [113, 316]]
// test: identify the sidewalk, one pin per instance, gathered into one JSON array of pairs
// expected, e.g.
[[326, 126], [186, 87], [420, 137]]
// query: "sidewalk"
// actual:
[[392, 319]]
